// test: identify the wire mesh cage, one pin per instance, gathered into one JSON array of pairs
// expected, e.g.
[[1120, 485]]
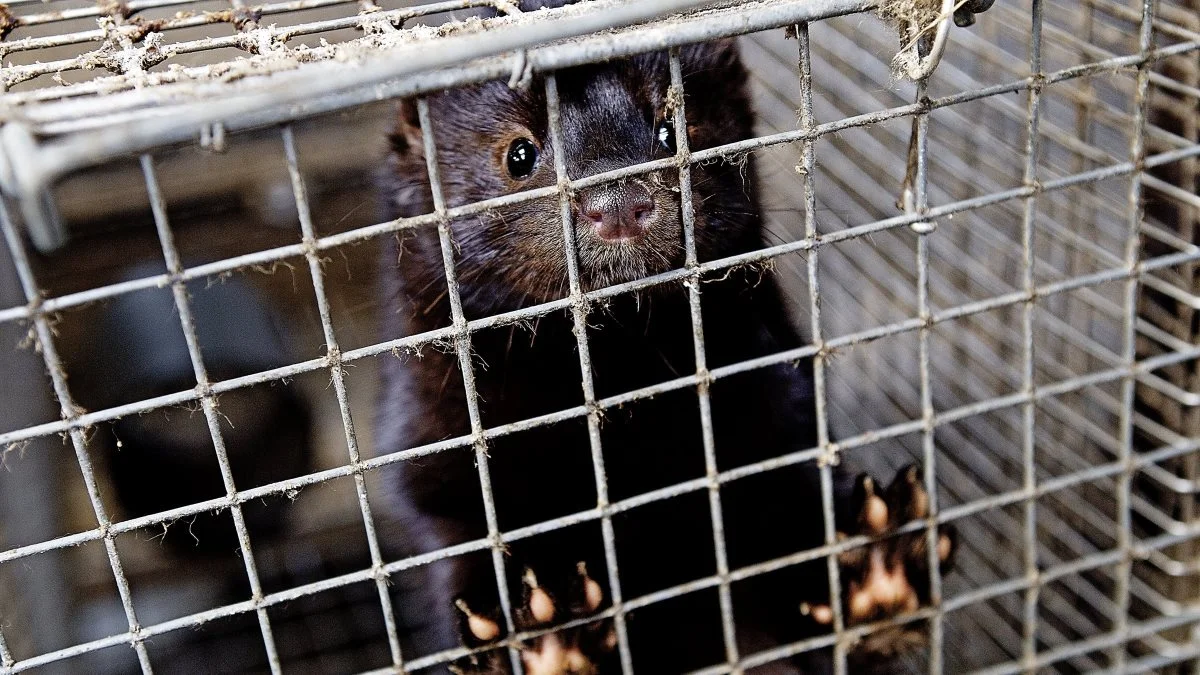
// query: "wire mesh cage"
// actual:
[[1027, 328]]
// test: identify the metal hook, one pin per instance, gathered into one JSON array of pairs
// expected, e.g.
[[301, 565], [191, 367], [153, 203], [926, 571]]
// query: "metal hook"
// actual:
[[212, 137], [919, 67], [908, 194], [521, 72]]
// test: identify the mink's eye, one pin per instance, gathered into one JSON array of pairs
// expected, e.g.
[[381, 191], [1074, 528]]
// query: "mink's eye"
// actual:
[[665, 134], [521, 158]]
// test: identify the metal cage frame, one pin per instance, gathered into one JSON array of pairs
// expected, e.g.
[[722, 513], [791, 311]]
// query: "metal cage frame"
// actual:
[[45, 139]]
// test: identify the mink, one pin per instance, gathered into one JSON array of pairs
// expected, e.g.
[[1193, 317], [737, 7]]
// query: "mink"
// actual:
[[493, 140]]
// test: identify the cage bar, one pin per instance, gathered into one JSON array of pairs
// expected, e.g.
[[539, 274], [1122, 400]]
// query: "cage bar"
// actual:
[[182, 305], [337, 374], [829, 456], [579, 312], [463, 347], [78, 442], [1029, 410], [688, 212]]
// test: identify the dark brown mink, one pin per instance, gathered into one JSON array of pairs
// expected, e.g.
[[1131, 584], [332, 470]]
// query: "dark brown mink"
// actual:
[[492, 140]]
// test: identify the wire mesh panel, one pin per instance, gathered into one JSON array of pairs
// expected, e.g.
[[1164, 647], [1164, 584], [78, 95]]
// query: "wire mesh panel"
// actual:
[[1023, 323], [980, 148]]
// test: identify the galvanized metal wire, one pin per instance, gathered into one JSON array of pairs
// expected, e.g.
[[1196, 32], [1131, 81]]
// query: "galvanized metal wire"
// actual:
[[579, 312], [1042, 386], [78, 442], [337, 374], [208, 403]]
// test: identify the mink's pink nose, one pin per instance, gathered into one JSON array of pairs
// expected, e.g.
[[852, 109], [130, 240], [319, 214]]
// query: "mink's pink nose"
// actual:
[[618, 212]]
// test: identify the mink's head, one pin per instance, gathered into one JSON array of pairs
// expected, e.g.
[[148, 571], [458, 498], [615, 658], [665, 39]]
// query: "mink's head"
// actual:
[[493, 141]]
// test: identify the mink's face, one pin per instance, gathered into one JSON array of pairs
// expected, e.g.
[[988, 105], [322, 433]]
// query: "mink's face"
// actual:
[[493, 141]]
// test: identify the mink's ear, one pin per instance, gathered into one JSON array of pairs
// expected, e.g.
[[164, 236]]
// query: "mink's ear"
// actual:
[[725, 50], [534, 5], [531, 5], [714, 68], [406, 136], [716, 55], [717, 88]]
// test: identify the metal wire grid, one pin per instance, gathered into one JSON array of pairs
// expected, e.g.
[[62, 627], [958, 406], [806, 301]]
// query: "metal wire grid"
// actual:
[[1071, 433], [1125, 375], [55, 137], [123, 26], [1177, 404]]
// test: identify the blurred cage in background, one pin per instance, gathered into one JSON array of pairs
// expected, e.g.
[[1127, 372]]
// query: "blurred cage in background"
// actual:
[[1041, 341]]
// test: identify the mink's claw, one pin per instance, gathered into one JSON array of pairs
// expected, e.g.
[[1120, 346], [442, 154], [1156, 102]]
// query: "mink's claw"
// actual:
[[888, 577], [582, 650]]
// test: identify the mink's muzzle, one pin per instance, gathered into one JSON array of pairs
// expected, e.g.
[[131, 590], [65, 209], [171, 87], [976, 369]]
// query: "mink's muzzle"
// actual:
[[623, 231], [627, 230], [618, 213]]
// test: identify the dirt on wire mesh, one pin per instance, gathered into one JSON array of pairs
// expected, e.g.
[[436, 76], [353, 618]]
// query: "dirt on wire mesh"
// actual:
[[914, 20]]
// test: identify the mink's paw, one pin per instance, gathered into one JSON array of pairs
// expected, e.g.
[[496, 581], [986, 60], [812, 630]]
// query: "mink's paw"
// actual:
[[581, 650], [891, 576]]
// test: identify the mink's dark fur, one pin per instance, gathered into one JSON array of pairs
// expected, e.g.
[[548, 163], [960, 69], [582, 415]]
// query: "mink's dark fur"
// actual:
[[512, 257]]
